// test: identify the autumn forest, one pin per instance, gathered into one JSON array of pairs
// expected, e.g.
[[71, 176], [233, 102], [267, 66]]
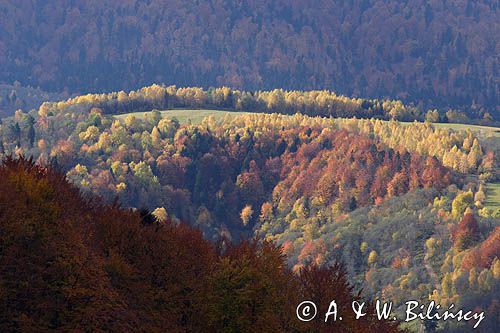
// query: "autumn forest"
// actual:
[[164, 170]]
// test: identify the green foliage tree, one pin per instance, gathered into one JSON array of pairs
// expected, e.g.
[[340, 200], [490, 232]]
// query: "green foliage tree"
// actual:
[[462, 201]]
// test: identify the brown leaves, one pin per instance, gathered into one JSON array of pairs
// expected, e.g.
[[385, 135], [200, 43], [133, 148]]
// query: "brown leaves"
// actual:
[[68, 263]]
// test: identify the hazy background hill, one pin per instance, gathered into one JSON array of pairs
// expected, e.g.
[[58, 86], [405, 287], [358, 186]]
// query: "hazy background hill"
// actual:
[[436, 53]]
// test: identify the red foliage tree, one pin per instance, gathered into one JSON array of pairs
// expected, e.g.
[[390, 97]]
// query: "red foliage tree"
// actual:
[[466, 233]]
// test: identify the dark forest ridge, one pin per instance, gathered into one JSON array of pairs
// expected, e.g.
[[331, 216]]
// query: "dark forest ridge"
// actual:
[[439, 54]]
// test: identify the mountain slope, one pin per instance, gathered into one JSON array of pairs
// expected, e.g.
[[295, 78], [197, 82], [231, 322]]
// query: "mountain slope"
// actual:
[[439, 53], [70, 263]]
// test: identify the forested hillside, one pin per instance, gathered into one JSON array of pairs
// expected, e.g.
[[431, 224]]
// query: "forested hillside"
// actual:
[[16, 97], [404, 206], [211, 166], [432, 53], [70, 263]]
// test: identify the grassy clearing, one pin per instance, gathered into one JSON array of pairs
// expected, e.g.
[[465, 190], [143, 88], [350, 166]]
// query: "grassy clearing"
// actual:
[[483, 131], [480, 131], [185, 115], [492, 196], [197, 115]]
